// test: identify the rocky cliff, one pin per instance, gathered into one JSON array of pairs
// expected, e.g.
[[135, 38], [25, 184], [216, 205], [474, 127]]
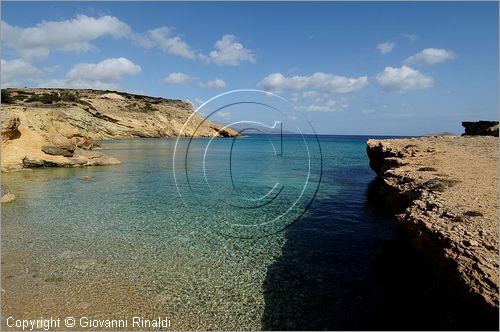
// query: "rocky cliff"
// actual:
[[444, 193], [481, 128], [59, 127]]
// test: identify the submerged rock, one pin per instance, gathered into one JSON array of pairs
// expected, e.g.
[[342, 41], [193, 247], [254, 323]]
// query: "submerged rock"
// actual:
[[84, 263], [92, 158], [6, 197]]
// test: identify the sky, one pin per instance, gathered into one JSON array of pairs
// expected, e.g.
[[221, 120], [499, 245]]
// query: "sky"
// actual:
[[385, 68]]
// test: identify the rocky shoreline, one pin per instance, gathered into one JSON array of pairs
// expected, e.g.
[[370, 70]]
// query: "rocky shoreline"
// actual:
[[443, 191], [59, 127]]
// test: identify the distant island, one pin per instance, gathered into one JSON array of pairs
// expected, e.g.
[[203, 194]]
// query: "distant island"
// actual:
[[442, 133], [248, 129]]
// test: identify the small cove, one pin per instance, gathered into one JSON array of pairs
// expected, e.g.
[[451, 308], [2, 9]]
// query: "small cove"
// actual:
[[111, 242]]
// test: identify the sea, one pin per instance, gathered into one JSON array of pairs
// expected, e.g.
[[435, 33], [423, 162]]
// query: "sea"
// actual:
[[273, 232]]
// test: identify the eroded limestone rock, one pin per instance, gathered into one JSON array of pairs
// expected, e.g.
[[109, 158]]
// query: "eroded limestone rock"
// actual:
[[444, 192]]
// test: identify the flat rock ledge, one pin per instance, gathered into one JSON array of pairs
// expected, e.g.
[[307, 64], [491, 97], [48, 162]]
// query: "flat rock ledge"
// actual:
[[444, 194], [34, 149]]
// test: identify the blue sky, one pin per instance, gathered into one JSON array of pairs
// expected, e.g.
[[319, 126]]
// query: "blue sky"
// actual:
[[351, 68]]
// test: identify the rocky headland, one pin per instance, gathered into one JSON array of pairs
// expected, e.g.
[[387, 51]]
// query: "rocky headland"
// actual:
[[443, 191], [59, 127]]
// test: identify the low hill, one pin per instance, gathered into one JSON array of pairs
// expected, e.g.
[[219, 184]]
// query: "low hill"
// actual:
[[58, 127]]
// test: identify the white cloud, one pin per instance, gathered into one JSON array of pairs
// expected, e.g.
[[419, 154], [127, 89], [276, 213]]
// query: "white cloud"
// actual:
[[326, 82], [368, 111], [310, 94], [13, 71], [177, 79], [229, 52], [214, 84], [52, 69], [79, 84], [107, 70], [403, 79], [199, 101], [327, 106], [295, 97], [386, 48], [224, 115], [430, 56], [73, 35], [164, 39], [410, 36], [102, 75], [181, 78]]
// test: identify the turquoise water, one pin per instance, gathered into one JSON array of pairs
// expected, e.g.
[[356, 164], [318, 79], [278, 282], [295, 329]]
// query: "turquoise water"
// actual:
[[268, 237]]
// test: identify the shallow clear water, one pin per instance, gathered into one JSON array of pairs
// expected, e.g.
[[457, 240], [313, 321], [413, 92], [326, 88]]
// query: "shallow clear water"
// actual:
[[125, 243]]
